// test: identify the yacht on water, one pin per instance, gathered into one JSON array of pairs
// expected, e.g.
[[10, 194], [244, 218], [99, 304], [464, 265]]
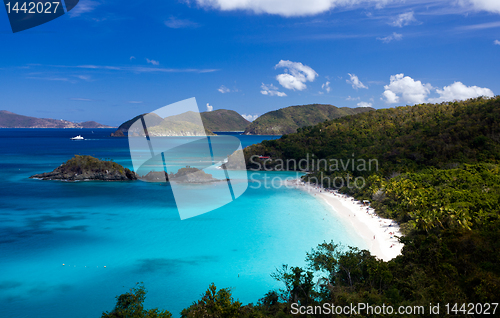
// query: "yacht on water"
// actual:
[[77, 138]]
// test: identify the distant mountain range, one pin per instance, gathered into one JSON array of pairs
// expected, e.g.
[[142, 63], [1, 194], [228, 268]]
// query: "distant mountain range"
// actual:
[[288, 120], [279, 122], [11, 120]]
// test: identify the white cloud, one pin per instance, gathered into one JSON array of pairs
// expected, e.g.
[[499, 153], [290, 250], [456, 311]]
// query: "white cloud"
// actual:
[[289, 8], [271, 90], [413, 92], [355, 82], [250, 117], [134, 69], [391, 97], [52, 78], [352, 98], [458, 91], [404, 19], [482, 5], [496, 42], [326, 87], [84, 6], [176, 23], [84, 77], [140, 69], [223, 89], [394, 36], [296, 75], [209, 107], [135, 102], [364, 104], [132, 58], [286, 8], [480, 26], [153, 62], [82, 99]]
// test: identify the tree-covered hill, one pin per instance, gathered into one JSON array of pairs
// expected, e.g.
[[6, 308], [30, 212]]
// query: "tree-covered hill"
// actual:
[[401, 139], [288, 120], [224, 120]]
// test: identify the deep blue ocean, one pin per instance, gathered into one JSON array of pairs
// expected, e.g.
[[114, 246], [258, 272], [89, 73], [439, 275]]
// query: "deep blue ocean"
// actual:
[[111, 235]]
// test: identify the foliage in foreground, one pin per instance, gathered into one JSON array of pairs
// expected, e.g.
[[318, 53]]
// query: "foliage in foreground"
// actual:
[[130, 305]]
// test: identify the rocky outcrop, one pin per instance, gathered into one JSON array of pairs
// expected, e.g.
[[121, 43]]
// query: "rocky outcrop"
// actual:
[[184, 175], [88, 168], [192, 175], [118, 133]]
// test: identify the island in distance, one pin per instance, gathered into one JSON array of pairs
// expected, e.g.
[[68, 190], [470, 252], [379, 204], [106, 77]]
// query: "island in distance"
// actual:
[[11, 120], [279, 122], [88, 168], [188, 123]]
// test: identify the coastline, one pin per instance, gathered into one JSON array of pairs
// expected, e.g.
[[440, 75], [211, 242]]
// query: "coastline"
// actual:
[[380, 235]]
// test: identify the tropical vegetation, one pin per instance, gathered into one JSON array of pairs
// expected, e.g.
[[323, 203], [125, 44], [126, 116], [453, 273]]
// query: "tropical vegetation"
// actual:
[[437, 175], [288, 120]]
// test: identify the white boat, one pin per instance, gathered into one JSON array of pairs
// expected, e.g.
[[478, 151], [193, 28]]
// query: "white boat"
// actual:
[[77, 138]]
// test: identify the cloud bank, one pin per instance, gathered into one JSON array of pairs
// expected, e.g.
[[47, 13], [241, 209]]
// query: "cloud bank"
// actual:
[[291, 8], [405, 89], [287, 8], [458, 91]]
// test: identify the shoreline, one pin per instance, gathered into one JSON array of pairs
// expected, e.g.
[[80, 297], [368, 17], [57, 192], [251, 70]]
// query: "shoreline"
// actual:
[[380, 235]]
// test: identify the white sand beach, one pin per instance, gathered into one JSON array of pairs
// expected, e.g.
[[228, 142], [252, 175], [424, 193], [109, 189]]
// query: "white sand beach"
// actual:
[[379, 234]]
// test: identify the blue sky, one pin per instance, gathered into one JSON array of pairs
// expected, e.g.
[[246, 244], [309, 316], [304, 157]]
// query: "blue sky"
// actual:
[[109, 60]]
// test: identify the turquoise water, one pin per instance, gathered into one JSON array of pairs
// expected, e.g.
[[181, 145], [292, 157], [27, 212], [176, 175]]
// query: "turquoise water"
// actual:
[[111, 235]]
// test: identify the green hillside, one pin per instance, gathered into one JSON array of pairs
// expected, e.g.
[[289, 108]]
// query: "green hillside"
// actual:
[[288, 120], [224, 120], [402, 139]]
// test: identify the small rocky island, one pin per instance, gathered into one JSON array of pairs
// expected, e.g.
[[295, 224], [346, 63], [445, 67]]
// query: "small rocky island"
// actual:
[[184, 175], [86, 168]]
